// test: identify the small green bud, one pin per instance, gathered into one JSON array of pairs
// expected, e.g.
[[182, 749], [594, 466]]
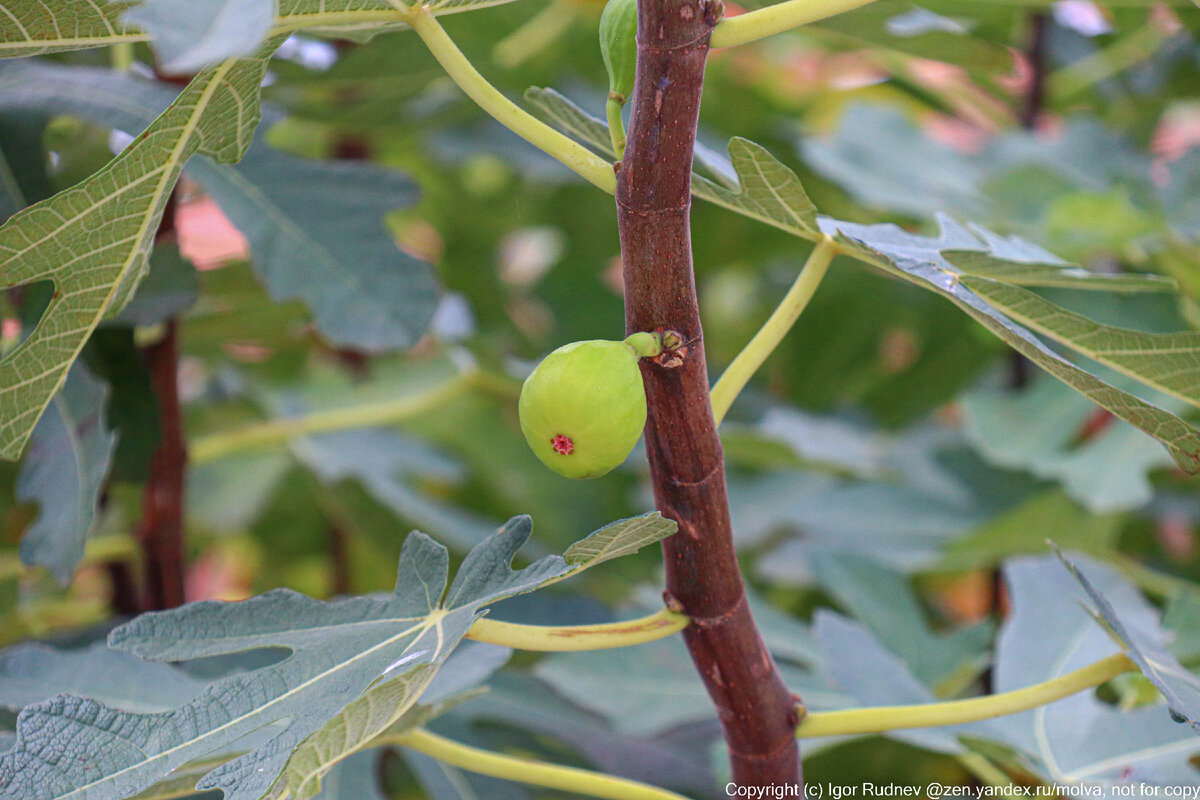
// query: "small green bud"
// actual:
[[584, 407], [646, 345], [618, 46]]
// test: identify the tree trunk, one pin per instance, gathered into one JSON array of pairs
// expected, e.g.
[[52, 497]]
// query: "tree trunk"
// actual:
[[757, 711]]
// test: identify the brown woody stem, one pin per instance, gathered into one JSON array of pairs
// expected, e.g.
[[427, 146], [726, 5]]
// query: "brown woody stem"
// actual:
[[757, 712], [160, 532]]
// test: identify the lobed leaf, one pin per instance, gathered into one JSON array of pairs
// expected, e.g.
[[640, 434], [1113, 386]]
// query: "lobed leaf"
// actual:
[[864, 668], [675, 757], [32, 672], [74, 747], [315, 228], [932, 487], [388, 709], [1024, 529], [384, 705], [754, 183], [647, 690], [885, 603], [559, 111], [1054, 274], [33, 27], [355, 778], [169, 288], [919, 260], [767, 190], [1038, 430], [1077, 738]]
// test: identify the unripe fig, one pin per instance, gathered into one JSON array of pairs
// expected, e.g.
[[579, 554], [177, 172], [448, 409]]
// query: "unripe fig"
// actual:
[[584, 407], [618, 46]]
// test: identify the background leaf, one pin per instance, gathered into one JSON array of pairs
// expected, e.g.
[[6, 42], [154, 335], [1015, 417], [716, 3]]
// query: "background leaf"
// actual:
[[32, 673], [64, 473], [315, 228], [190, 35], [1081, 737], [886, 603], [1039, 429]]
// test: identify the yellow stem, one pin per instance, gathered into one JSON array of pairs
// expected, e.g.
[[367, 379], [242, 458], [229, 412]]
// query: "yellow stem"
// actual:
[[738, 374], [277, 431], [956, 712], [524, 770], [579, 637], [616, 124], [764, 22], [122, 56], [587, 164]]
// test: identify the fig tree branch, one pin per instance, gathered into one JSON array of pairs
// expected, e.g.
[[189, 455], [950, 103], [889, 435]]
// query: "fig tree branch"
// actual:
[[687, 467]]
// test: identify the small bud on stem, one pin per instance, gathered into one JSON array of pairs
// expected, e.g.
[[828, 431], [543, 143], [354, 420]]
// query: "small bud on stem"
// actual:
[[646, 345]]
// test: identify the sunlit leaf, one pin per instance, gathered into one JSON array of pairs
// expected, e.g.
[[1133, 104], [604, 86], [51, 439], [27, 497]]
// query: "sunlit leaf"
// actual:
[[1168, 362], [93, 239], [919, 259]]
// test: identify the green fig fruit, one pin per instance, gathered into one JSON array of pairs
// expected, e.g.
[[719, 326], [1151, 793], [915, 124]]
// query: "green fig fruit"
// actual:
[[584, 407], [618, 46]]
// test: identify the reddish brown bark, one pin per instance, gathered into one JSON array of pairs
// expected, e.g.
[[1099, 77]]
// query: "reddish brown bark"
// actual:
[[1035, 98], [757, 712], [160, 532]]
